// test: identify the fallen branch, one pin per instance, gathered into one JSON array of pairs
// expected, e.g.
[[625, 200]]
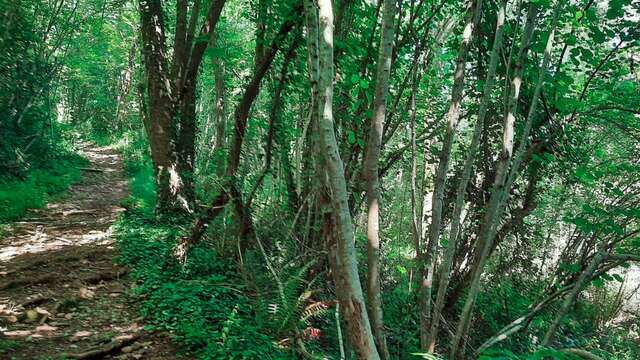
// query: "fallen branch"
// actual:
[[36, 301], [110, 348]]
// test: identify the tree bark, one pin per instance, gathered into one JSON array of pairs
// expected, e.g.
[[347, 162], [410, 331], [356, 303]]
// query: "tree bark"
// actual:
[[346, 268], [428, 260], [445, 269], [370, 174], [502, 182]]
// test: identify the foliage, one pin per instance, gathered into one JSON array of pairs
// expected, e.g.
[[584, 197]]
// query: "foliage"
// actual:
[[200, 303], [261, 283], [39, 186]]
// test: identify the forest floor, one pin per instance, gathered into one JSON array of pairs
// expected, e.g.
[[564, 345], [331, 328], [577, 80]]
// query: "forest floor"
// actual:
[[61, 293]]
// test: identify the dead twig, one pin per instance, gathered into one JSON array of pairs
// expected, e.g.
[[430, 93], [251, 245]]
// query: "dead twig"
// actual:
[[91, 169], [97, 353]]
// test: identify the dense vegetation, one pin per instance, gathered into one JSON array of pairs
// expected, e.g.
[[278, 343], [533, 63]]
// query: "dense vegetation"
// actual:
[[349, 179]]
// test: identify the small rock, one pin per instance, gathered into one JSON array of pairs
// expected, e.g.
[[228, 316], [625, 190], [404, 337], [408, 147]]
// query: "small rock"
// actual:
[[127, 349], [42, 311], [46, 328], [68, 316], [80, 334], [86, 293], [137, 356], [17, 333]]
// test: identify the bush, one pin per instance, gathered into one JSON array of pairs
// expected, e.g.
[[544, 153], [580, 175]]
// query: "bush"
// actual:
[[41, 185]]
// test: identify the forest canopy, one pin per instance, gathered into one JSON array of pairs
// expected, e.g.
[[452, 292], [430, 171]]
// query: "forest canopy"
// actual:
[[379, 179]]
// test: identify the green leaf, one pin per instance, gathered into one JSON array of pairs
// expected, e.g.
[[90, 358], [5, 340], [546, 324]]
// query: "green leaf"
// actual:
[[599, 283], [401, 269], [351, 137]]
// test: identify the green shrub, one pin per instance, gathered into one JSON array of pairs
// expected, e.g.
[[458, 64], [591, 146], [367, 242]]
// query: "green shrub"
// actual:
[[139, 169], [41, 185], [200, 303]]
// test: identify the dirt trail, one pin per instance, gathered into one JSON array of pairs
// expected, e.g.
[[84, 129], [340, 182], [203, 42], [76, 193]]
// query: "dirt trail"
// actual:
[[61, 295]]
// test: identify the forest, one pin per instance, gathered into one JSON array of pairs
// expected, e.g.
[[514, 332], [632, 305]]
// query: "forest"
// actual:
[[318, 179]]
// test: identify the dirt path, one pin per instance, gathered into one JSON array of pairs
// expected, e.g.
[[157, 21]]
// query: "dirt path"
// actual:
[[61, 295]]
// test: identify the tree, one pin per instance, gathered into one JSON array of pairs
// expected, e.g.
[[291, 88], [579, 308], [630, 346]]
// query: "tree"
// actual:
[[349, 290], [370, 174], [171, 88]]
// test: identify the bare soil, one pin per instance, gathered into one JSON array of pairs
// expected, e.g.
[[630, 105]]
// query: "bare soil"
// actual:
[[61, 293]]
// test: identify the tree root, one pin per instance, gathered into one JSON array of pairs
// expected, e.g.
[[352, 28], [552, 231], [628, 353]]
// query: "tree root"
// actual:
[[106, 276], [36, 301], [28, 281], [101, 352], [62, 258]]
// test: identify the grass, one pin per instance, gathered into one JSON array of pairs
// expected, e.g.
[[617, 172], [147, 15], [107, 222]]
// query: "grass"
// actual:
[[39, 187], [7, 346]]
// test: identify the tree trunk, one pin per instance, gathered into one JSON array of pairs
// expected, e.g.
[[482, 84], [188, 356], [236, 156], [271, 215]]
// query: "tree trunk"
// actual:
[[429, 255], [370, 173], [240, 115], [502, 183], [161, 110], [218, 143], [172, 97], [445, 269], [346, 268]]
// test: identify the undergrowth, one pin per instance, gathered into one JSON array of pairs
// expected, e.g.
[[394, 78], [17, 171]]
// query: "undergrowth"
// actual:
[[17, 195], [201, 303]]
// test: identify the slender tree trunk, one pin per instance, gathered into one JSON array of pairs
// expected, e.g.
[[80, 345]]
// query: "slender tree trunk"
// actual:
[[502, 182], [186, 140], [126, 80], [583, 279], [429, 256], [501, 173], [370, 173], [218, 143], [241, 115], [346, 266], [274, 125], [445, 269]]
